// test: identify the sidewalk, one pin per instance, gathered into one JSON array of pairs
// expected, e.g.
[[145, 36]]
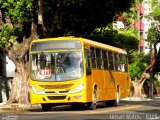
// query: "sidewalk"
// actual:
[[15, 108], [157, 98]]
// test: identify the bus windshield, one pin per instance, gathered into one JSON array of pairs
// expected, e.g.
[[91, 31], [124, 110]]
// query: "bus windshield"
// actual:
[[56, 66]]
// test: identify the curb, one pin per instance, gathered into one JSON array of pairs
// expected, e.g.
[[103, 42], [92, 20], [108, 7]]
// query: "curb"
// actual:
[[141, 99], [17, 107]]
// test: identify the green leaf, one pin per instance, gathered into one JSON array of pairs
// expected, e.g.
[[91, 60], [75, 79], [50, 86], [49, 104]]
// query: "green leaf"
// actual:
[[10, 1]]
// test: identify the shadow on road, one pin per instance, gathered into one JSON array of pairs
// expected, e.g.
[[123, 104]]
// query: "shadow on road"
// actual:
[[68, 108]]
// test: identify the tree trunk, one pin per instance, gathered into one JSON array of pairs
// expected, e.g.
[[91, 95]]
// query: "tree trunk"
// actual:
[[138, 84], [137, 88], [19, 92], [20, 88], [40, 16]]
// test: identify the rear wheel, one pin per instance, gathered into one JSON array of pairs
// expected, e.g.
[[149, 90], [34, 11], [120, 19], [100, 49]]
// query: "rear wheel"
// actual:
[[46, 107], [93, 104], [117, 98]]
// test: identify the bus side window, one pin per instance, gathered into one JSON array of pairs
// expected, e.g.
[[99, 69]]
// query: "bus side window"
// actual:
[[93, 59], [111, 58], [122, 62], [105, 59], [87, 57], [116, 61], [125, 63], [99, 58]]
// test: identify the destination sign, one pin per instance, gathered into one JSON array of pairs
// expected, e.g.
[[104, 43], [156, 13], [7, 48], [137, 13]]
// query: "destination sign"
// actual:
[[55, 45]]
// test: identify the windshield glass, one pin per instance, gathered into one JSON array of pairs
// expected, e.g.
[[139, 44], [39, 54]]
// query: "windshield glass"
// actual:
[[56, 66]]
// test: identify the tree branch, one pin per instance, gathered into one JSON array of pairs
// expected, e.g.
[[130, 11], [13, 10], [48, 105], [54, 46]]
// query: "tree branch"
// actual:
[[4, 49], [144, 74], [24, 48]]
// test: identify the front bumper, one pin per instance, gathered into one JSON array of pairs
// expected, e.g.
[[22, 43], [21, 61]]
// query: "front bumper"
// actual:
[[58, 98]]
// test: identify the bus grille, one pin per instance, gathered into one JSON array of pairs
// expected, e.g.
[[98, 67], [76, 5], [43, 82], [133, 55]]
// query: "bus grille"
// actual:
[[56, 97], [55, 92], [61, 86]]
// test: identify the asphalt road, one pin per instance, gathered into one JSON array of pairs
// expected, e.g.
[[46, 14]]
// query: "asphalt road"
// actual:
[[128, 110]]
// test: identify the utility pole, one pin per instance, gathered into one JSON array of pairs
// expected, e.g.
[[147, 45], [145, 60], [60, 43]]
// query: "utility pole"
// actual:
[[139, 24], [138, 15], [152, 57], [153, 53]]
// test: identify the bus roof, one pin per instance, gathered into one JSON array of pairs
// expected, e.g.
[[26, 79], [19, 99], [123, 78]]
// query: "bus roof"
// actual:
[[104, 46], [86, 41]]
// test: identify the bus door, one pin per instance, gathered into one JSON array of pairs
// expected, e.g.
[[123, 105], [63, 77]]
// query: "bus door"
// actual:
[[89, 80]]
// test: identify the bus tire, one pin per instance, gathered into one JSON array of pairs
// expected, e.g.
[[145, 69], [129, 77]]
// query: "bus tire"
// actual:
[[117, 98], [46, 107], [110, 103], [93, 104], [79, 106]]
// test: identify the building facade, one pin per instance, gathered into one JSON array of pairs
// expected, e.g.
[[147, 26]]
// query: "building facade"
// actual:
[[143, 24], [7, 73]]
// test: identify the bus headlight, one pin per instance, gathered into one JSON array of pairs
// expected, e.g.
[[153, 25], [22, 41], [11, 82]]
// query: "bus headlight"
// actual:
[[77, 89], [36, 91]]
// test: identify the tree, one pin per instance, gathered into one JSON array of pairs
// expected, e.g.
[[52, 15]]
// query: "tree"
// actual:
[[80, 18], [153, 65], [21, 23], [155, 14], [138, 72], [15, 22], [123, 39], [154, 39]]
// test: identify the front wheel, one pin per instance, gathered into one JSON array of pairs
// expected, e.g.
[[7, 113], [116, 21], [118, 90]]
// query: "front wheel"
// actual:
[[79, 106], [46, 107], [93, 104]]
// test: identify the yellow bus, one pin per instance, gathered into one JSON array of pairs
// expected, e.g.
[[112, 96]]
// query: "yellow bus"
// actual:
[[78, 72]]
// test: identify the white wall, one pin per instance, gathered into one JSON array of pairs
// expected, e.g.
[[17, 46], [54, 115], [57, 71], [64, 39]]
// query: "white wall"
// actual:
[[9, 68]]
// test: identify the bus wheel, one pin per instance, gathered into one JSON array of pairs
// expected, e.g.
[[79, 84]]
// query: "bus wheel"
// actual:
[[46, 107], [78, 106], [117, 98], [93, 104]]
